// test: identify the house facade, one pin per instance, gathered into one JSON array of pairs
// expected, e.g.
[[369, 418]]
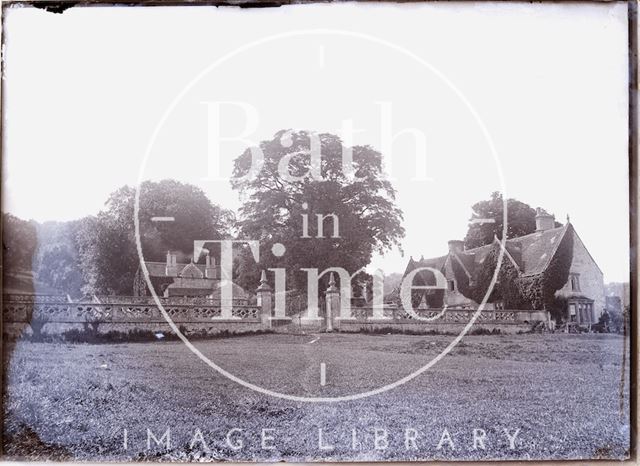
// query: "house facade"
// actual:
[[550, 269], [174, 279]]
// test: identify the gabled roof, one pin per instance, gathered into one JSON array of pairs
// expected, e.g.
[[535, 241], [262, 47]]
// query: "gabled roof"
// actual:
[[158, 269], [531, 254], [539, 248], [191, 271], [427, 276]]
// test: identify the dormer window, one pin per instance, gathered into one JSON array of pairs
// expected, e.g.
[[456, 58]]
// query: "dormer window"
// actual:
[[451, 285]]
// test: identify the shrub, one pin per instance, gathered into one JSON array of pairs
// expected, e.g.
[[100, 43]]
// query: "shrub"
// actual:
[[37, 325], [87, 335], [393, 330], [485, 331]]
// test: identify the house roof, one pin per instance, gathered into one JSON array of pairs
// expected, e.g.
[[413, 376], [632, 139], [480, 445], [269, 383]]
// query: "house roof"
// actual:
[[190, 281], [427, 276], [530, 253], [158, 269], [191, 271], [538, 249]]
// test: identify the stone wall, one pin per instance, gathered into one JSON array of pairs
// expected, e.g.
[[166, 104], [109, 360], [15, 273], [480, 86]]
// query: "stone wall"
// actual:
[[591, 277], [52, 315], [443, 321], [413, 327]]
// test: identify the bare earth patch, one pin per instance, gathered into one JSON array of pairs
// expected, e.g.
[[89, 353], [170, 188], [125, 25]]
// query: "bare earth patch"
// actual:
[[563, 393]]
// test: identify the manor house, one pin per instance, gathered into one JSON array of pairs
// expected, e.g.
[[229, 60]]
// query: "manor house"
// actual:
[[582, 295]]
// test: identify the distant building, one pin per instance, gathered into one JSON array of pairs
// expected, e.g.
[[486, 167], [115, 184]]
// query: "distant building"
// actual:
[[173, 279], [531, 256], [621, 290]]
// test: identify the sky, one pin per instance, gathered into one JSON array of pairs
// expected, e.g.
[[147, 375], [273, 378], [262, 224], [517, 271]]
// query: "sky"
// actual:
[[528, 99]]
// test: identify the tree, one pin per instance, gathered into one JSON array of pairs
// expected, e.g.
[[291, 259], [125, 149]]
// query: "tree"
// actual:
[[57, 262], [107, 241], [274, 207], [521, 220], [19, 243]]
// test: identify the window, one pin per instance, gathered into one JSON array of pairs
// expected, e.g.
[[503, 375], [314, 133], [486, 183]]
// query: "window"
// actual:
[[586, 313], [574, 278], [581, 312], [451, 285]]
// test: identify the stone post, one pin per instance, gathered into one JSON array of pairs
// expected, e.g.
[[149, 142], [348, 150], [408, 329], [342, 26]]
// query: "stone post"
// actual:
[[332, 302], [280, 297], [264, 300], [377, 311]]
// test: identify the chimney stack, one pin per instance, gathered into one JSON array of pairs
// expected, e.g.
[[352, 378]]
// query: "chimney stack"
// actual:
[[171, 269], [210, 270], [544, 221], [456, 246]]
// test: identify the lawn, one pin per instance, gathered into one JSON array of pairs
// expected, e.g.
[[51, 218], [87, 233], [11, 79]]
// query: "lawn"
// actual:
[[562, 394]]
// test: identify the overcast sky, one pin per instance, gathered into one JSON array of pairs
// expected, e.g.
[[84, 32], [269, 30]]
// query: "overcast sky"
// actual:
[[87, 89]]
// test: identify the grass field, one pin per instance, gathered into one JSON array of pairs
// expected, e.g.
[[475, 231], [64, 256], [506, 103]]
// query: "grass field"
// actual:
[[563, 392]]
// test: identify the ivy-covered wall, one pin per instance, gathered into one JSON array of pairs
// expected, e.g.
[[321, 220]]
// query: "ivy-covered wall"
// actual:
[[540, 290], [591, 279], [535, 292], [548, 290], [435, 297]]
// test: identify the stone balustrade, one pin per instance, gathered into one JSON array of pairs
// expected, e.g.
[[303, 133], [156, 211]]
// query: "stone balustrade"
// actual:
[[114, 299], [19, 308], [142, 311], [397, 313], [393, 312]]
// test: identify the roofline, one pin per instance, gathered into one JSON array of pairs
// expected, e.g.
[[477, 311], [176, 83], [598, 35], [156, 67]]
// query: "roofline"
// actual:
[[564, 229], [460, 262], [586, 249], [553, 253], [517, 238], [507, 253]]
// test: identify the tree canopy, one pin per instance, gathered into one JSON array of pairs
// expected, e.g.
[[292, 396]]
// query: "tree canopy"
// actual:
[[97, 254], [108, 246], [274, 207], [521, 220], [46, 252], [19, 242]]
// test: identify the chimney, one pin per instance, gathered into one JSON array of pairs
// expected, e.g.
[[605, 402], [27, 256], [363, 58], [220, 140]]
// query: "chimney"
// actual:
[[456, 246], [171, 269], [210, 270], [544, 221]]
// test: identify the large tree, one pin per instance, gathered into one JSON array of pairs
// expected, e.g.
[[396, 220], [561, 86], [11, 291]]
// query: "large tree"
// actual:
[[274, 207], [19, 243], [47, 252], [57, 262], [108, 246], [487, 220]]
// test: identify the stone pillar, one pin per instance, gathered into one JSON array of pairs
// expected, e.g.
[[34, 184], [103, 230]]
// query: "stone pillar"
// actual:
[[332, 302], [311, 316], [264, 300], [280, 297], [377, 311]]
